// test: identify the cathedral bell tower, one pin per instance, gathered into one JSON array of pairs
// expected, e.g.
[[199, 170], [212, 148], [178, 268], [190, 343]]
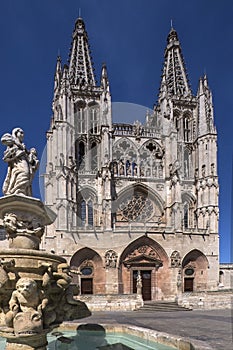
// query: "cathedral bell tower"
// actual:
[[190, 141], [79, 141]]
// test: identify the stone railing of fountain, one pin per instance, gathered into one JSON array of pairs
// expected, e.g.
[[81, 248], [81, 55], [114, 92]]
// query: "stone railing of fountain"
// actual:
[[35, 286]]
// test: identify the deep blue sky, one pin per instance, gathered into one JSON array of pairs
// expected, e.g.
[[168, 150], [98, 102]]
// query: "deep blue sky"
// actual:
[[130, 36]]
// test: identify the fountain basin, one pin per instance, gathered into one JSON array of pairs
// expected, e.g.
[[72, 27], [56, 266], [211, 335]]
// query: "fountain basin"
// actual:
[[29, 206], [24, 219], [30, 263], [104, 337], [137, 338]]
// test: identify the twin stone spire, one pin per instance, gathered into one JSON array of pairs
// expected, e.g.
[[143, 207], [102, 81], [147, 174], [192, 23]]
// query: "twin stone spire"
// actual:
[[78, 77], [174, 76], [81, 69]]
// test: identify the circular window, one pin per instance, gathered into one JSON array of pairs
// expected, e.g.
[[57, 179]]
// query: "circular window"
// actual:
[[189, 271], [86, 271], [139, 207]]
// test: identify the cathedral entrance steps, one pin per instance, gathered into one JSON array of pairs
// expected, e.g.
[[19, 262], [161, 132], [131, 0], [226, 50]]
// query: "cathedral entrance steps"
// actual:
[[152, 306]]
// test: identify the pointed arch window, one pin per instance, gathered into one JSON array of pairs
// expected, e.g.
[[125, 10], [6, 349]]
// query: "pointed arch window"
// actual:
[[80, 119], [93, 116], [176, 118], [79, 116], [94, 156], [81, 155], [150, 164], [186, 164], [90, 213], [86, 216], [177, 123], [186, 129], [186, 215], [83, 212]]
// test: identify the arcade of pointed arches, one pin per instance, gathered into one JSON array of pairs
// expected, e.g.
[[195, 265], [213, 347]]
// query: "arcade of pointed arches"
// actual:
[[144, 257], [128, 160]]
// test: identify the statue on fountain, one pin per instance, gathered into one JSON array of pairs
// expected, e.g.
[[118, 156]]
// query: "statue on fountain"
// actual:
[[36, 293], [22, 164]]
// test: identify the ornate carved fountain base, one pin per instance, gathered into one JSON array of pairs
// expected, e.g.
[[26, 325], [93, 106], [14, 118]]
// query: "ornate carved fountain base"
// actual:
[[35, 286]]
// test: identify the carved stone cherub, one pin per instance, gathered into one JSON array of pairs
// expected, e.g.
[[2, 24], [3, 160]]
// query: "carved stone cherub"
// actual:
[[28, 299]]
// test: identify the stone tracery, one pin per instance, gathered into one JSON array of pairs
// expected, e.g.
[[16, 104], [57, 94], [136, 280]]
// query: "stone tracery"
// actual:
[[143, 162], [137, 208]]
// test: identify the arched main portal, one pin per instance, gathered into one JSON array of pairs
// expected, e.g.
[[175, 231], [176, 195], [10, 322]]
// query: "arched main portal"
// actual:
[[89, 266], [195, 271], [145, 258]]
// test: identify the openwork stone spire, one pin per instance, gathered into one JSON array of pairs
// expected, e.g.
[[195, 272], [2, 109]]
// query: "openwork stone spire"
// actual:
[[174, 77], [81, 69]]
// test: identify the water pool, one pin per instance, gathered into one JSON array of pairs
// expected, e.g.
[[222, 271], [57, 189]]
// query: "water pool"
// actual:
[[72, 336], [91, 340]]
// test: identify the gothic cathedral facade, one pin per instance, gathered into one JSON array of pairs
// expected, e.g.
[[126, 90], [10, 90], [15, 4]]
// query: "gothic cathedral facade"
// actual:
[[133, 199]]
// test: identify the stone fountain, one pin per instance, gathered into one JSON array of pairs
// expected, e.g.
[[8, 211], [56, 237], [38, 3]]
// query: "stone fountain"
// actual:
[[35, 286]]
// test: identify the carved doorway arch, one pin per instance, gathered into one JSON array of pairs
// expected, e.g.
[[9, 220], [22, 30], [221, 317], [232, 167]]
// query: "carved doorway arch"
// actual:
[[143, 258], [89, 271], [195, 271]]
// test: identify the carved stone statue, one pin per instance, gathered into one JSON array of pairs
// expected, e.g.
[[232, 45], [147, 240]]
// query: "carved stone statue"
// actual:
[[175, 259], [111, 259], [139, 283], [36, 294], [22, 164], [30, 301]]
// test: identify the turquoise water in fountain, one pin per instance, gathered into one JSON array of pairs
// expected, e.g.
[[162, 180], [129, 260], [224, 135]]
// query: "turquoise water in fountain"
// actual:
[[70, 341]]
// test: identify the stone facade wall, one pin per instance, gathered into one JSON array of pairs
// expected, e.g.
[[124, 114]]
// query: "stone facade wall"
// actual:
[[167, 278], [109, 302], [133, 200], [207, 301], [226, 276]]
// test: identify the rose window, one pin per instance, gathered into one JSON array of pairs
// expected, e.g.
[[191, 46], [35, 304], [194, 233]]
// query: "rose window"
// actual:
[[137, 208]]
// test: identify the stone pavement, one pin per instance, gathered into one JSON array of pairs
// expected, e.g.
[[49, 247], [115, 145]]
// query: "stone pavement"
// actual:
[[214, 327]]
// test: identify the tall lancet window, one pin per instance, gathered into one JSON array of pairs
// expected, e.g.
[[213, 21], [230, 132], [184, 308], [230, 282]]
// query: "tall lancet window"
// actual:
[[94, 156], [186, 164], [90, 213], [81, 121], [83, 212], [80, 155], [186, 215], [86, 213], [79, 115], [93, 113], [186, 128]]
